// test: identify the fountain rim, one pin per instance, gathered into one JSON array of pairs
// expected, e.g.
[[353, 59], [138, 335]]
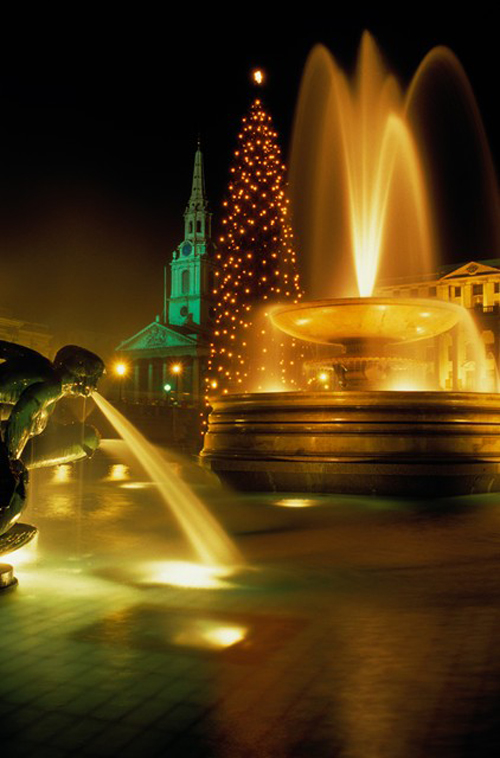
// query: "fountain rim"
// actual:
[[375, 300], [342, 337], [342, 398]]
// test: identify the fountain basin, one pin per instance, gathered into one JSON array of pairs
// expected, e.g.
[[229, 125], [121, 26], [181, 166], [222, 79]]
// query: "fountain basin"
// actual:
[[390, 443], [381, 320]]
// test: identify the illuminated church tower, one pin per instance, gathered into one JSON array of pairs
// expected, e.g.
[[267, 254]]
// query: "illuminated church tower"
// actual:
[[191, 280], [169, 355]]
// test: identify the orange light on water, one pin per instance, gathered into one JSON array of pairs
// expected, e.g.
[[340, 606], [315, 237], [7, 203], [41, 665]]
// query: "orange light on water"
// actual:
[[206, 634], [62, 473], [295, 503], [186, 574]]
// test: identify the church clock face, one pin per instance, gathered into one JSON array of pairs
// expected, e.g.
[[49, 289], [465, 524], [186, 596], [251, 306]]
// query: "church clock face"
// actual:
[[186, 248]]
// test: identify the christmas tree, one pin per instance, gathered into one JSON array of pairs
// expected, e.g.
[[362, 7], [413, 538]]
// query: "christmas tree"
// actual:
[[256, 266]]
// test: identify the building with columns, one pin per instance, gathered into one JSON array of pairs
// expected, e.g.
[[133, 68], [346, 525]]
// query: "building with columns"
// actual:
[[168, 357], [453, 358]]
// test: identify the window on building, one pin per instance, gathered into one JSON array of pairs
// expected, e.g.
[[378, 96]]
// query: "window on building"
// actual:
[[458, 291], [497, 288], [198, 227], [185, 282], [190, 227], [432, 291], [477, 289]]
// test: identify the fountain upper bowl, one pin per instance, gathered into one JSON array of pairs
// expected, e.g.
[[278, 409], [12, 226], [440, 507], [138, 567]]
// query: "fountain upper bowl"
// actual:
[[350, 320]]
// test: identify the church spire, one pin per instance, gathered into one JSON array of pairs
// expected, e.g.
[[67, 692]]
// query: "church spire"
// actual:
[[197, 219], [198, 199]]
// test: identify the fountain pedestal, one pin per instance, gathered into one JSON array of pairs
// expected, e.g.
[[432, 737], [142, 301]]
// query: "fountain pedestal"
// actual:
[[421, 444]]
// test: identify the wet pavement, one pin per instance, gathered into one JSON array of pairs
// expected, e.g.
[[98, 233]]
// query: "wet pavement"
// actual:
[[359, 627]]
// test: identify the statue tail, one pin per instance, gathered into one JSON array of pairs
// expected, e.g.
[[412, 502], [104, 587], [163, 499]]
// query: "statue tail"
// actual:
[[61, 444]]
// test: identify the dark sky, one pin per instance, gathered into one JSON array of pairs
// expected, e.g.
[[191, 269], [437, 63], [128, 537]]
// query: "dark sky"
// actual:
[[99, 122]]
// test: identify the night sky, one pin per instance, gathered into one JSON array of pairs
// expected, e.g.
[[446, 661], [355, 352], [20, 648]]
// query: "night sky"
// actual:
[[100, 118]]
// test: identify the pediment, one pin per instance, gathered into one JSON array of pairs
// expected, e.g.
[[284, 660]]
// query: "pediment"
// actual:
[[155, 336], [473, 268]]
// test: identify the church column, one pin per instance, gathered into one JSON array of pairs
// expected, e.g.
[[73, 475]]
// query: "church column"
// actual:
[[179, 380], [164, 377], [150, 380], [135, 384]]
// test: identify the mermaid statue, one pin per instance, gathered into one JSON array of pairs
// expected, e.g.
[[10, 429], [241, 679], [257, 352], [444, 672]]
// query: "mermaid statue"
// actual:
[[30, 388]]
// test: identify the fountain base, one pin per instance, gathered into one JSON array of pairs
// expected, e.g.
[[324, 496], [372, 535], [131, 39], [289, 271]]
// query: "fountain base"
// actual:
[[421, 444], [7, 579]]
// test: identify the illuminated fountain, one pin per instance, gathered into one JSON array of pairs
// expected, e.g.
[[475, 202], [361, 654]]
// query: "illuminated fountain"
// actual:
[[361, 189]]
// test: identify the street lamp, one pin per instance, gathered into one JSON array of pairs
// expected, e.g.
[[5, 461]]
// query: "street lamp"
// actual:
[[121, 370]]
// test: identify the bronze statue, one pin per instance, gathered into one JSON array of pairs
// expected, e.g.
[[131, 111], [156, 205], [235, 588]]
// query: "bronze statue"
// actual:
[[30, 387]]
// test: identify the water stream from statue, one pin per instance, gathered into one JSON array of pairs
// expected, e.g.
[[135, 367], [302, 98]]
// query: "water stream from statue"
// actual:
[[207, 538]]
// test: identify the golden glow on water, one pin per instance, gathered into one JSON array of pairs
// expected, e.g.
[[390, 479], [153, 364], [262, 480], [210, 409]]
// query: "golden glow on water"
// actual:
[[62, 474], [210, 543], [295, 503], [185, 574], [210, 635], [118, 472], [136, 485]]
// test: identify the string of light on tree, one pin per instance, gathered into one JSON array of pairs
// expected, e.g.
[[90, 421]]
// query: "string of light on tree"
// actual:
[[256, 258]]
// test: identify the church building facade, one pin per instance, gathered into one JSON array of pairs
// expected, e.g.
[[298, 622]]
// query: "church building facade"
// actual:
[[168, 357]]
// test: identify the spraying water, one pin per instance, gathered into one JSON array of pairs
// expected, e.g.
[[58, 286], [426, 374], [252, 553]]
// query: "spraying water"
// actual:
[[209, 541], [358, 187]]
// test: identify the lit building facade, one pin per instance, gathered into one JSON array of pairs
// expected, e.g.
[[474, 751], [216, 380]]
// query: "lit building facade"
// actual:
[[167, 358], [452, 359]]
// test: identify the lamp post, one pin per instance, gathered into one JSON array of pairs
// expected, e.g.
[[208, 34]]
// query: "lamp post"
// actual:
[[121, 370], [176, 371]]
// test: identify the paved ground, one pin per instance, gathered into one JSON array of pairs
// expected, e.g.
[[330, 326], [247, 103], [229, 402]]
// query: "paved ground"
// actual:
[[360, 628]]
